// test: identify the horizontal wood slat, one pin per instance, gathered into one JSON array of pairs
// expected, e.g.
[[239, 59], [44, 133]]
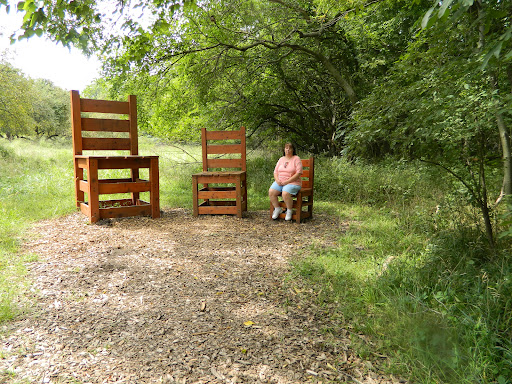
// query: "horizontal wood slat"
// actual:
[[223, 149], [111, 188], [85, 209], [105, 125], [224, 163], [223, 135], [120, 202], [117, 162], [133, 210], [124, 163], [217, 210], [102, 144], [205, 195], [104, 106], [217, 179], [83, 186], [124, 180]]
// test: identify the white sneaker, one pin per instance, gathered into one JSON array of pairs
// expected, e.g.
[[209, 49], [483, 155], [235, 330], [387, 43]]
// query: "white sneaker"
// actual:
[[277, 212], [289, 213]]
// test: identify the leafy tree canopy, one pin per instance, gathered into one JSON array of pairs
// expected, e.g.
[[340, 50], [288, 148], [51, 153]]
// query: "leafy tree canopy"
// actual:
[[276, 66]]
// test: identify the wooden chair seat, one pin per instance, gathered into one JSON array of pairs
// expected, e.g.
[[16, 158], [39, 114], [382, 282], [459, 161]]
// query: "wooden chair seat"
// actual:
[[223, 192], [87, 167], [303, 201]]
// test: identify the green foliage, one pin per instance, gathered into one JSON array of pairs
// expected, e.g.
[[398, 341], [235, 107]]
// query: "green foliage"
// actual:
[[51, 110], [410, 272], [494, 17], [15, 106], [361, 182], [437, 105], [470, 301], [31, 107], [35, 179], [260, 171]]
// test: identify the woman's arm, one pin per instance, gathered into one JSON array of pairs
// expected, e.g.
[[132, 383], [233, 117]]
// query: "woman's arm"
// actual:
[[292, 179], [276, 177], [276, 173]]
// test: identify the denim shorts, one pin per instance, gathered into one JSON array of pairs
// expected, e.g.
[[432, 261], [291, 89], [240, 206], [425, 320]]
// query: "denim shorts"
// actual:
[[292, 189]]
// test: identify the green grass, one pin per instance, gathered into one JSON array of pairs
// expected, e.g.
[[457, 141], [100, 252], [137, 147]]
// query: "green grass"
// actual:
[[412, 270], [34, 185], [415, 274]]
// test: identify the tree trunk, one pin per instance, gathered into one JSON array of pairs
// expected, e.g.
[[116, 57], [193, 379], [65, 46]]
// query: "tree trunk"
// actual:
[[507, 158]]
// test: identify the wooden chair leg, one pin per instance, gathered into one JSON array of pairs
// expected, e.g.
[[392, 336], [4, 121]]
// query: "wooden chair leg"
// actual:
[[79, 176], [135, 195], [195, 203], [92, 179], [245, 194], [154, 180], [238, 188], [298, 210]]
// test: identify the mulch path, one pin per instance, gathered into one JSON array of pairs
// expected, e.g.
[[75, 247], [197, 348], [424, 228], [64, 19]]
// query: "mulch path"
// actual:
[[177, 300]]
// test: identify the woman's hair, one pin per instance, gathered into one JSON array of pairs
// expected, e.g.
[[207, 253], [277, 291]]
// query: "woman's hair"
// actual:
[[289, 144]]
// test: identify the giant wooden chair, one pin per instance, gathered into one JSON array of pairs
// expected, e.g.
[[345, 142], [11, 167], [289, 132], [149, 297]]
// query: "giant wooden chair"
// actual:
[[221, 189], [303, 201], [102, 132]]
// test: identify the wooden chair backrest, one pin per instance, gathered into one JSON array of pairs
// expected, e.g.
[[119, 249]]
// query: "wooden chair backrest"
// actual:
[[97, 126], [237, 149], [308, 172]]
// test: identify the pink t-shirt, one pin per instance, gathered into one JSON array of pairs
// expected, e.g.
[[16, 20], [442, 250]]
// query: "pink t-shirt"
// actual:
[[286, 168]]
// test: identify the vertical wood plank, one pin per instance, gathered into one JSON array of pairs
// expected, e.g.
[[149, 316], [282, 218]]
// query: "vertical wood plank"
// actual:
[[79, 176], [92, 175], [76, 122], [154, 179], [239, 196], [135, 176], [134, 139], [298, 210], [195, 203], [243, 152], [76, 133], [204, 147], [311, 171]]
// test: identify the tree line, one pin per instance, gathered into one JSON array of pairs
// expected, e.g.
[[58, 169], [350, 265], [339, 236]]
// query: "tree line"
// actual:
[[31, 107]]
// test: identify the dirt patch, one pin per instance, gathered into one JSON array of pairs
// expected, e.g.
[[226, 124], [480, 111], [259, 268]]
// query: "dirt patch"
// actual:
[[176, 300]]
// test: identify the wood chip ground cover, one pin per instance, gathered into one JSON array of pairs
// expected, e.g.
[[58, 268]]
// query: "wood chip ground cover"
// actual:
[[176, 300]]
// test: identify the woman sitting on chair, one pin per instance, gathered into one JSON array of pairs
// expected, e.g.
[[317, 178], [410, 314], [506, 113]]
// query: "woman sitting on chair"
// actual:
[[288, 182]]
